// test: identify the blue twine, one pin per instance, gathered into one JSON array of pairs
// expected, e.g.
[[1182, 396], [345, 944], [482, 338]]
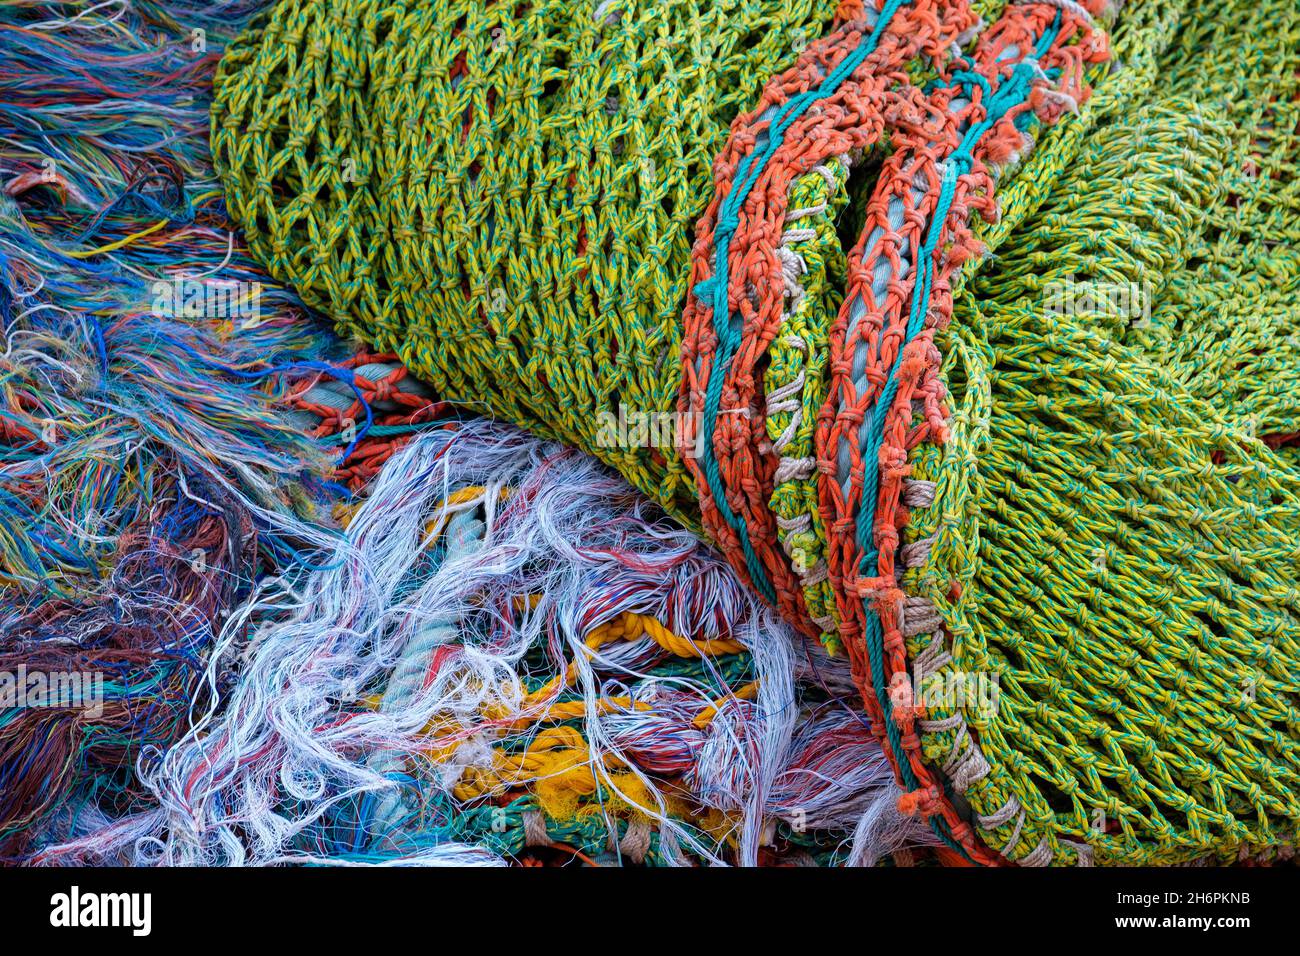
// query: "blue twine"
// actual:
[[344, 375]]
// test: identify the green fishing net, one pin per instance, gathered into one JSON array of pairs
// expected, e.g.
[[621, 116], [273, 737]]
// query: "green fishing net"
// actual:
[[1105, 530]]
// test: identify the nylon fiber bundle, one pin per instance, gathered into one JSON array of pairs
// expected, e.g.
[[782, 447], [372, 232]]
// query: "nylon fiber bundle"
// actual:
[[146, 478], [965, 329]]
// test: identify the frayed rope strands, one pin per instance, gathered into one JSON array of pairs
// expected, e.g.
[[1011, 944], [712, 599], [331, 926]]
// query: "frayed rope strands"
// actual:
[[511, 649], [146, 480]]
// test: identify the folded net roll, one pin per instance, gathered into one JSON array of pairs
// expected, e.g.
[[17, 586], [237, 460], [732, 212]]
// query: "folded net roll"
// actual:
[[965, 330]]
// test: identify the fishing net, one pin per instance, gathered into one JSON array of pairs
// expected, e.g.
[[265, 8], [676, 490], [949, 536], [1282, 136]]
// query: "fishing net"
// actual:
[[965, 330]]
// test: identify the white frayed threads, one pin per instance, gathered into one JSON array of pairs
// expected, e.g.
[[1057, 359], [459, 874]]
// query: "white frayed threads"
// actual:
[[837, 778], [410, 638]]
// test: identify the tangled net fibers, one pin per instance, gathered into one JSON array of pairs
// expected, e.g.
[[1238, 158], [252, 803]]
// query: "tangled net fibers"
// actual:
[[980, 362], [146, 480]]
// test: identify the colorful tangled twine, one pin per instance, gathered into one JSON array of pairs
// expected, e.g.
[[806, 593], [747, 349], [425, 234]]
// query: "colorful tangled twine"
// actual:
[[965, 331], [511, 649]]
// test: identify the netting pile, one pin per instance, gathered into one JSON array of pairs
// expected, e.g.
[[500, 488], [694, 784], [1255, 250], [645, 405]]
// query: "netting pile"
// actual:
[[964, 330]]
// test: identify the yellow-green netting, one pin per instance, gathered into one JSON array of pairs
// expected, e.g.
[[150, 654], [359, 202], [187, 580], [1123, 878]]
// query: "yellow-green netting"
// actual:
[[975, 328]]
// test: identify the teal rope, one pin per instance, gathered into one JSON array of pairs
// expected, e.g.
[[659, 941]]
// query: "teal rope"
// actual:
[[1012, 92], [714, 290]]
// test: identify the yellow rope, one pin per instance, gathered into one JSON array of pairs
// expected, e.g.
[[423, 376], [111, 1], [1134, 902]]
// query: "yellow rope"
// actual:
[[630, 626]]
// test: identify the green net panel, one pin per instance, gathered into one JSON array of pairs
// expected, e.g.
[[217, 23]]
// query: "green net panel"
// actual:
[[968, 331]]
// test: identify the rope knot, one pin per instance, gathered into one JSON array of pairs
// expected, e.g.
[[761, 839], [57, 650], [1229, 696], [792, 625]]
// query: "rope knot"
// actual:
[[923, 803]]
